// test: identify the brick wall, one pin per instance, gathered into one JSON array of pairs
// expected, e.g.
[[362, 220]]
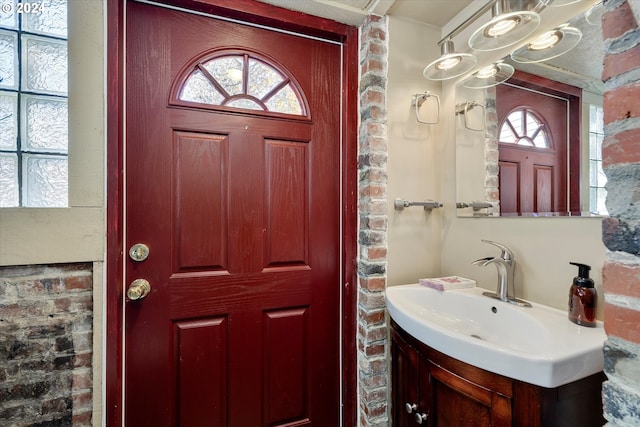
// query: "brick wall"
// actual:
[[372, 226], [621, 231], [46, 318]]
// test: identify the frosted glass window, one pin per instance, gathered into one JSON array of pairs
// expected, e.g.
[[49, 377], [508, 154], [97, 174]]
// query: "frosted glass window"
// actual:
[[44, 65], [8, 60], [33, 104], [45, 124], [523, 127], [241, 81], [228, 72], [597, 177], [199, 89], [244, 103], [8, 18], [9, 188], [50, 19], [46, 181], [285, 101], [262, 78], [8, 120]]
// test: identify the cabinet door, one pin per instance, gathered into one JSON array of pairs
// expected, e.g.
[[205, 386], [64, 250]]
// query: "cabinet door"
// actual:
[[459, 402], [404, 382]]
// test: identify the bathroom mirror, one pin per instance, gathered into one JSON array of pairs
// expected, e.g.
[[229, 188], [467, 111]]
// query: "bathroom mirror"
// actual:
[[510, 160]]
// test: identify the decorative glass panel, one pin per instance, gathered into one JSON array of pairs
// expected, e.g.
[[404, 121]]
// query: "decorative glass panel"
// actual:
[[44, 65], [244, 103], [228, 72], [8, 180], [8, 120], [45, 183], [507, 135], [285, 101], [523, 127], [220, 81], [262, 78], [50, 18], [8, 60], [199, 89], [8, 16], [45, 124]]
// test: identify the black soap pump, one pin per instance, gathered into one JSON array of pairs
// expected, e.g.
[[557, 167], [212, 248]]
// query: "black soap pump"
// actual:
[[582, 297]]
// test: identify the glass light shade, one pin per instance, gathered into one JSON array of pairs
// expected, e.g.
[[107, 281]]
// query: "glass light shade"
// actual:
[[560, 2], [504, 30], [450, 64], [594, 14], [549, 45], [491, 75]]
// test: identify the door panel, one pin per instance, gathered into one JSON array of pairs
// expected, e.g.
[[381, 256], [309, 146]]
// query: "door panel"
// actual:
[[202, 347], [241, 214], [200, 188], [286, 361]]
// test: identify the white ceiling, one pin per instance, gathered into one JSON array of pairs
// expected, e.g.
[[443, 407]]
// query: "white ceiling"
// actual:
[[353, 12], [580, 67], [433, 12]]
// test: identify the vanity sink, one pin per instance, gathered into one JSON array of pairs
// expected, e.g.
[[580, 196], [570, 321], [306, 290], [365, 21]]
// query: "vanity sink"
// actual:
[[537, 344]]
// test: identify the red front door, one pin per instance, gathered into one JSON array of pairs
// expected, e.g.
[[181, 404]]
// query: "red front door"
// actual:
[[240, 211]]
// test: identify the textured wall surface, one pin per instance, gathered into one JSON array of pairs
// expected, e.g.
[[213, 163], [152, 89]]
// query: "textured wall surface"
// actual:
[[372, 225], [46, 315], [621, 232]]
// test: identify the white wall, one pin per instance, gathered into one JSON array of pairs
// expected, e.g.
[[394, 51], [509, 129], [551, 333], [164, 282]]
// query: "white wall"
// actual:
[[414, 155]]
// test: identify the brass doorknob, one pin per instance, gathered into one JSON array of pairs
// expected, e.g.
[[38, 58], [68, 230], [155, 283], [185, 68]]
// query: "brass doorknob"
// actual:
[[138, 289]]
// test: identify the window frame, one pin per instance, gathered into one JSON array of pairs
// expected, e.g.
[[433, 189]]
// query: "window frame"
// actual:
[[75, 233]]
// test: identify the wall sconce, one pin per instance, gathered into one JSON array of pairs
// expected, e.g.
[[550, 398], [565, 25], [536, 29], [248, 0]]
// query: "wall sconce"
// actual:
[[491, 75], [507, 27], [549, 45], [450, 64]]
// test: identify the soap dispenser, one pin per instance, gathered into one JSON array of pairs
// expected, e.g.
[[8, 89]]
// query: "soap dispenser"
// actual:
[[582, 297]]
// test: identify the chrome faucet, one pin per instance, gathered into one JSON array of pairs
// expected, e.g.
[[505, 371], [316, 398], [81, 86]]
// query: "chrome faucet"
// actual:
[[505, 264]]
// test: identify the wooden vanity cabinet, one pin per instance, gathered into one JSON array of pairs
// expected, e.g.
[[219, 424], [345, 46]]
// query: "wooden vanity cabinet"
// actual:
[[441, 391]]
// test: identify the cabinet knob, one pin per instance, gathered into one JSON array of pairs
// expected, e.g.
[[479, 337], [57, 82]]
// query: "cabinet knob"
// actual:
[[410, 407], [420, 418]]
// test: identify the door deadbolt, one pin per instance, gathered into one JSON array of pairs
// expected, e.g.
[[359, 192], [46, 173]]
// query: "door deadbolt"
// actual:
[[139, 252], [138, 289]]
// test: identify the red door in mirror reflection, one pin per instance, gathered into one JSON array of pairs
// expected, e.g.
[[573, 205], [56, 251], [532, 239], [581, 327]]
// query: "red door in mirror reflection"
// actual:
[[533, 151]]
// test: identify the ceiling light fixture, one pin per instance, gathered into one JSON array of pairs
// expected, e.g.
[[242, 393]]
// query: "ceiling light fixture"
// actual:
[[513, 21], [450, 64], [549, 45], [491, 75], [559, 2], [594, 14]]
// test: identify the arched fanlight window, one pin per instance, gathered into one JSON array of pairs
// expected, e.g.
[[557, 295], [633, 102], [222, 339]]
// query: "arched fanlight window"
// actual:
[[524, 127], [243, 81]]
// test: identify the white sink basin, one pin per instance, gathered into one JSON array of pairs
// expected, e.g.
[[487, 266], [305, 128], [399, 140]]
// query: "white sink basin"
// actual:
[[537, 345]]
